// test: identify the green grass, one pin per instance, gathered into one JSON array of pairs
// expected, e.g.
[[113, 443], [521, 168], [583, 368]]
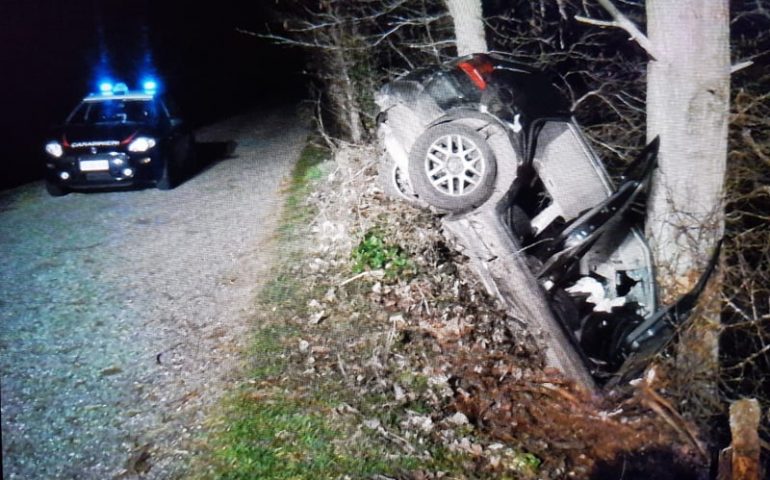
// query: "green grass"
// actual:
[[278, 428], [278, 440], [286, 439], [280, 290], [309, 168], [269, 349]]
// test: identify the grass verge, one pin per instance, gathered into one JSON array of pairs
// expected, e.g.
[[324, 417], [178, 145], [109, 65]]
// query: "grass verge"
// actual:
[[282, 424]]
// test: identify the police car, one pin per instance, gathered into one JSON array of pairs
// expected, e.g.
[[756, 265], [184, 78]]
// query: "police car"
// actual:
[[119, 138]]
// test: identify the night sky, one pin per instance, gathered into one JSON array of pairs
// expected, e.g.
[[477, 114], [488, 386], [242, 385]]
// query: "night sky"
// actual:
[[53, 52]]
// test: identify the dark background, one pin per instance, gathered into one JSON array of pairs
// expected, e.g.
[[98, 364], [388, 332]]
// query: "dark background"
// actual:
[[53, 52]]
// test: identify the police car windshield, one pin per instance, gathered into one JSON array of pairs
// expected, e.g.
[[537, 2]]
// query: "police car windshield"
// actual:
[[115, 111]]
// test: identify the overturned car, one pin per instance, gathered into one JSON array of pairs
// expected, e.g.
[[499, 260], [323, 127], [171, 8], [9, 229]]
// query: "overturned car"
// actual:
[[493, 144]]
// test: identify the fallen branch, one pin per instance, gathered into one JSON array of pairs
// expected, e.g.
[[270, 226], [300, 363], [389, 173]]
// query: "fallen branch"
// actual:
[[376, 273], [665, 410]]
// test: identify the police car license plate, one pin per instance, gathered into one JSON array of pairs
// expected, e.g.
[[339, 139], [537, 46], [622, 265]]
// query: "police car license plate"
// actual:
[[94, 165]]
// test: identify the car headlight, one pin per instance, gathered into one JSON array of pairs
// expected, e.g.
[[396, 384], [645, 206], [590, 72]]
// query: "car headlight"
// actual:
[[141, 144], [54, 149]]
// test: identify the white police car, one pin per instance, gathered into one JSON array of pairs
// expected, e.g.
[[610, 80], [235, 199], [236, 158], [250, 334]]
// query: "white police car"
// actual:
[[119, 138]]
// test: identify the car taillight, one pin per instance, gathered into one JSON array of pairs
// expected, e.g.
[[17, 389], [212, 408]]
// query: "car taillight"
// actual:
[[477, 69]]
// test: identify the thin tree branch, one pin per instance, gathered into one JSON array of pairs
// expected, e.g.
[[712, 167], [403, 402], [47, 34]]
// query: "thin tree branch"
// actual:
[[622, 22], [741, 65], [598, 23], [746, 136]]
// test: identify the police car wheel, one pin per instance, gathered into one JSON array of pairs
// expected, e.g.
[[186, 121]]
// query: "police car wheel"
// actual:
[[452, 167], [55, 190], [192, 156], [168, 178]]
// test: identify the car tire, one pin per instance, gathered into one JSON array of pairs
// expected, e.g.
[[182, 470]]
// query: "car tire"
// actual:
[[448, 180], [55, 190], [192, 156], [167, 180], [393, 181]]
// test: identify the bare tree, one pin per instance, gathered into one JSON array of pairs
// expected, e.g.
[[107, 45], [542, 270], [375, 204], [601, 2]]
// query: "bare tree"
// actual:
[[356, 46], [606, 86], [687, 105], [688, 92]]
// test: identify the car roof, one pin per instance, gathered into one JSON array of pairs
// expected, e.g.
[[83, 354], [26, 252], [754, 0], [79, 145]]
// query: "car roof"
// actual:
[[101, 97]]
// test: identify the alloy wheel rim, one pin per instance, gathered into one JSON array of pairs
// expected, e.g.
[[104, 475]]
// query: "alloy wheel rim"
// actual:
[[401, 182], [455, 165]]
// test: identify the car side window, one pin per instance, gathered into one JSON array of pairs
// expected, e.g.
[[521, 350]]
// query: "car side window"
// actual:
[[80, 114], [450, 89], [141, 111], [170, 108]]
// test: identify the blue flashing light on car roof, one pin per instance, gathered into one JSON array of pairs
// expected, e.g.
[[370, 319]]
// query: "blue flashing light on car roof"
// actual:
[[109, 88], [120, 88], [150, 86]]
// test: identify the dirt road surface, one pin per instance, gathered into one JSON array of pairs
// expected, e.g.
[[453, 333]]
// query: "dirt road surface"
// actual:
[[122, 314]]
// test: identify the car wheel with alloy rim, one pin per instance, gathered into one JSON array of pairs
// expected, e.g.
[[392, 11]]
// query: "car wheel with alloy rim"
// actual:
[[452, 167]]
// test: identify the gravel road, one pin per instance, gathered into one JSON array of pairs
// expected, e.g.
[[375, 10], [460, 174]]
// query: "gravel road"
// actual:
[[123, 314]]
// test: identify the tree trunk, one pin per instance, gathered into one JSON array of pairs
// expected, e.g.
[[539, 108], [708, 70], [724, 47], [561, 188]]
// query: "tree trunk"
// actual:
[[344, 96], [351, 105], [469, 26], [741, 461], [688, 93], [688, 96]]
